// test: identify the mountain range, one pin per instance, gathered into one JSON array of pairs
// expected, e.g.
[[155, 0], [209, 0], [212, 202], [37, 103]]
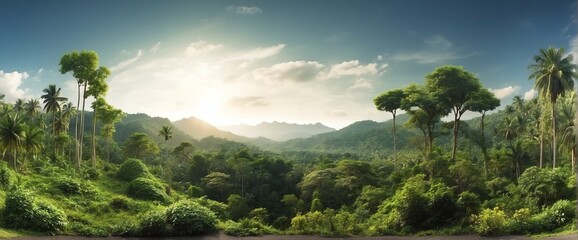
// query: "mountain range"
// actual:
[[278, 131]]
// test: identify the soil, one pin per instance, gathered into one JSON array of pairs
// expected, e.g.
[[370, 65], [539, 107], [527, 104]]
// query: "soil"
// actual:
[[222, 236]]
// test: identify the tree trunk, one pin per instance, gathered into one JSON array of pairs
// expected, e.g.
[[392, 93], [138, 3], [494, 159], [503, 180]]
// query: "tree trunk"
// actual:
[[94, 138], [107, 150], [77, 145], [554, 149], [82, 125], [394, 142], [456, 127], [541, 148], [483, 144]]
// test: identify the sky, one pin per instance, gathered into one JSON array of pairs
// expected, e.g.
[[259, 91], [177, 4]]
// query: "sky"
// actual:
[[298, 61]]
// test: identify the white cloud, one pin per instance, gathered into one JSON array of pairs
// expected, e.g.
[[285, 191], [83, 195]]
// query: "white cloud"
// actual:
[[361, 84], [437, 49], [352, 68], [250, 101], [244, 10], [255, 54], [40, 70], [10, 84], [201, 47], [155, 48], [296, 71], [127, 62], [530, 94], [501, 93], [379, 57]]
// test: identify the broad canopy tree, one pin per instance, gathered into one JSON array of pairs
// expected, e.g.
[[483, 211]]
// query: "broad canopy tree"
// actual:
[[454, 87]]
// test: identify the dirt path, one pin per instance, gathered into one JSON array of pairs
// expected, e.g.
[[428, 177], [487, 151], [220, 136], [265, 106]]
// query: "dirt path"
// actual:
[[222, 236]]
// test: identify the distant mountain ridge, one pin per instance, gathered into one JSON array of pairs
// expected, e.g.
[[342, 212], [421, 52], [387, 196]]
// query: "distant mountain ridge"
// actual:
[[200, 129], [278, 131]]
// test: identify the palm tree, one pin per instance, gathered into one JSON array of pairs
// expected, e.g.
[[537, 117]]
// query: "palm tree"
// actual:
[[568, 137], [167, 133], [11, 135], [553, 74], [18, 105], [32, 141], [51, 102], [32, 107]]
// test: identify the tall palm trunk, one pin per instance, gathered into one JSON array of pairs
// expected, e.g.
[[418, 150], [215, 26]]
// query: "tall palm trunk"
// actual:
[[394, 142], [554, 149], [76, 131], [82, 124], [94, 138]]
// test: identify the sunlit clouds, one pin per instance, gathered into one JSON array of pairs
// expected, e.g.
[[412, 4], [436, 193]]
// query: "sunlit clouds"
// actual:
[[505, 92], [10, 85], [208, 80]]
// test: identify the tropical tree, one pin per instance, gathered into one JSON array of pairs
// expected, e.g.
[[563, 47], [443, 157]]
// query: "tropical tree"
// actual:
[[32, 107], [97, 89], [554, 76], [482, 101], [568, 136], [52, 100], [166, 133], [454, 87], [11, 135], [421, 100], [109, 116], [390, 101], [18, 105], [32, 141], [84, 68], [139, 145]]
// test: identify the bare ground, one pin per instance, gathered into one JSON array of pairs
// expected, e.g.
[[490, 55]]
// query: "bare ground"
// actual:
[[222, 236]]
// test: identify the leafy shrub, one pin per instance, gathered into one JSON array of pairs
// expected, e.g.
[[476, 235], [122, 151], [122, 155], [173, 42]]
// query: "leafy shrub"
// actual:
[[195, 191], [7, 177], [521, 222], [92, 173], [220, 209], [558, 215], [121, 203], [70, 186], [48, 218], [246, 227], [153, 223], [468, 204], [259, 214], [282, 223], [21, 211], [190, 218], [491, 222], [132, 169], [146, 189]]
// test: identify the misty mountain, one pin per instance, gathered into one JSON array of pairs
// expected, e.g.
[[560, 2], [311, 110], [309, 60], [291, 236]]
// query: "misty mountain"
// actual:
[[200, 129], [279, 131]]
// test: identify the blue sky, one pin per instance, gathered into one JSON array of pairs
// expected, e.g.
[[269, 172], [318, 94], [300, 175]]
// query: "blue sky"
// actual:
[[243, 61]]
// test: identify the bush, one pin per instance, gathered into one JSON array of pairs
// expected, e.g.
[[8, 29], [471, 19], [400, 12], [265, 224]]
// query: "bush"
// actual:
[[69, 186], [146, 189], [132, 169], [7, 177], [153, 224], [121, 203], [246, 227], [558, 215], [220, 209], [491, 222], [22, 212], [188, 218]]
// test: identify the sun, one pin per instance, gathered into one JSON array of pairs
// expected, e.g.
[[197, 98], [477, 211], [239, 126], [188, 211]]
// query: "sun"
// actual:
[[209, 109]]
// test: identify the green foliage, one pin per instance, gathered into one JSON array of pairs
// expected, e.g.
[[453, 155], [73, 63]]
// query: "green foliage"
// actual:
[[132, 169], [220, 209], [152, 224], [544, 186], [491, 222], [188, 218], [247, 227], [70, 186], [147, 189], [238, 207], [259, 214], [21, 211], [7, 177]]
